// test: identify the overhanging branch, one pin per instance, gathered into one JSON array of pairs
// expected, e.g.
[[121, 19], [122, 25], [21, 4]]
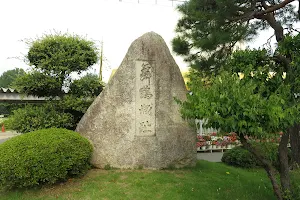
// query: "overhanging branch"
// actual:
[[274, 7], [261, 14]]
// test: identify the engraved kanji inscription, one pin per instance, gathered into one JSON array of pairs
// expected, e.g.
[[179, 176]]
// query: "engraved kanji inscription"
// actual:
[[146, 109], [146, 72], [145, 92], [145, 98], [145, 127], [145, 124]]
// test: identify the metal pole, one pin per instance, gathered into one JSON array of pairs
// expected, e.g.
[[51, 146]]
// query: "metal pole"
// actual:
[[101, 61]]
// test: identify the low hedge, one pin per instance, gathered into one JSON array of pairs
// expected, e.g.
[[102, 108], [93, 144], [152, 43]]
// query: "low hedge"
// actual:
[[35, 117], [43, 157], [240, 157]]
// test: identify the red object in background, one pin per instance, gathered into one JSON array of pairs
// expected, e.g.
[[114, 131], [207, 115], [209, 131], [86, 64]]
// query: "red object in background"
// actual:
[[281, 133], [3, 128]]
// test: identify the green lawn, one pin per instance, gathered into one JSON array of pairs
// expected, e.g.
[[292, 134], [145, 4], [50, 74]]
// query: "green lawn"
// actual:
[[206, 181]]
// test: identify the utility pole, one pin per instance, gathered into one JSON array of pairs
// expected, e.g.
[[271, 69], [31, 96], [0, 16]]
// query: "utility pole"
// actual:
[[101, 61]]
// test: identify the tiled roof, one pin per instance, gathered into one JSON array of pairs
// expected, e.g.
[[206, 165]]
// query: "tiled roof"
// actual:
[[8, 90]]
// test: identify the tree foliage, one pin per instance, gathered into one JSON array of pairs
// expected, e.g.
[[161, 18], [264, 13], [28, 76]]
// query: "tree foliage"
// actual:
[[290, 48], [35, 117], [62, 54], [53, 58], [254, 104], [87, 86], [247, 98], [39, 84], [6, 81], [8, 77], [206, 35], [209, 29], [65, 112]]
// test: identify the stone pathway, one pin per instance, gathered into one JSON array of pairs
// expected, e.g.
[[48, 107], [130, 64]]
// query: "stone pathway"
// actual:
[[212, 157], [6, 135]]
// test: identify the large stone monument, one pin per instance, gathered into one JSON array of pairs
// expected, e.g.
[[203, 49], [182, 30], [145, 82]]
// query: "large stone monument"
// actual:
[[135, 121]]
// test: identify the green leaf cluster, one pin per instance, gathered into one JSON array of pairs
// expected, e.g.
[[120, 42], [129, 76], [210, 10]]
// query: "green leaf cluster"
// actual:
[[88, 86], [34, 117], [248, 100], [290, 48], [62, 54], [7, 108], [64, 112], [39, 84], [43, 157], [208, 30], [8, 77], [240, 157], [53, 58]]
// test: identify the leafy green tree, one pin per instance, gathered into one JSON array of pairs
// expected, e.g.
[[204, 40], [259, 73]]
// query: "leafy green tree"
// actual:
[[208, 31], [87, 86], [39, 84], [81, 95], [8, 77], [257, 105], [54, 58], [6, 80]]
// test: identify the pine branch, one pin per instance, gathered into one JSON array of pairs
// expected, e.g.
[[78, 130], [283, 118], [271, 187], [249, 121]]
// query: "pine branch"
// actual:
[[261, 14], [272, 8], [283, 60], [265, 6]]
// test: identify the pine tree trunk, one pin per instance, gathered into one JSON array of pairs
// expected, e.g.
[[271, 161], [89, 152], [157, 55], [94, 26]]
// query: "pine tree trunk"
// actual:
[[266, 165], [295, 144], [284, 163]]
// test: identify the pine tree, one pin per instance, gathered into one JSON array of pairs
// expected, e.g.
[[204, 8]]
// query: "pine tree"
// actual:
[[209, 29]]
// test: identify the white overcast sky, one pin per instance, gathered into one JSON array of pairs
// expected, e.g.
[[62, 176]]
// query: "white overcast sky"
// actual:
[[116, 23]]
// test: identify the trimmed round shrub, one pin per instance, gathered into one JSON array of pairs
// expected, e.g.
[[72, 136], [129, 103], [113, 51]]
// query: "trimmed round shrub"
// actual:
[[42, 157], [242, 158], [239, 157]]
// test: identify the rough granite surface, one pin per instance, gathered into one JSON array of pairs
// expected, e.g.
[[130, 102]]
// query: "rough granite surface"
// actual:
[[135, 121]]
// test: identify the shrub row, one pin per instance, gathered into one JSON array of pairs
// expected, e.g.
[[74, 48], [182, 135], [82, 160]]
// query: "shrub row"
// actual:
[[31, 118]]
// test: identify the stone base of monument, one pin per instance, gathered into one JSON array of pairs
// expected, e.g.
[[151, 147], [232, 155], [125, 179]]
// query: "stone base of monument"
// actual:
[[135, 121]]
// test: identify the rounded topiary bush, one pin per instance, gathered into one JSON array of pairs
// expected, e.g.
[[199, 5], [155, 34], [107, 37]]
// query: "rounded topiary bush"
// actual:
[[242, 158], [43, 157], [239, 157]]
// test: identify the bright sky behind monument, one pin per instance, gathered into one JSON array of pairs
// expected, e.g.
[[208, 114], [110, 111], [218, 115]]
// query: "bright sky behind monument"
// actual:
[[115, 22]]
